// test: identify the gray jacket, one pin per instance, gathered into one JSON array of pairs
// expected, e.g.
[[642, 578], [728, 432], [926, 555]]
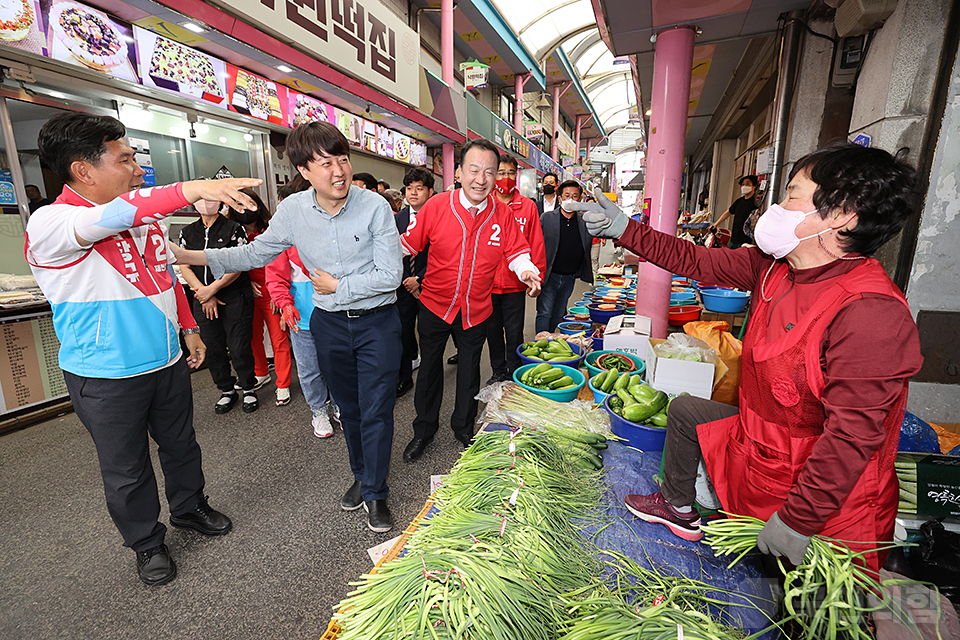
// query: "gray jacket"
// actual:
[[550, 222]]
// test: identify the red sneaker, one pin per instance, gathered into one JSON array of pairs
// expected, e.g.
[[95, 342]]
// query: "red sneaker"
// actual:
[[653, 508]]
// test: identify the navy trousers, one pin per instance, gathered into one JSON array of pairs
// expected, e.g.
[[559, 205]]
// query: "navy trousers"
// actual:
[[360, 361]]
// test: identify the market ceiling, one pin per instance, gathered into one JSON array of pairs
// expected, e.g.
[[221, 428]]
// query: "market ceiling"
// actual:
[[726, 29]]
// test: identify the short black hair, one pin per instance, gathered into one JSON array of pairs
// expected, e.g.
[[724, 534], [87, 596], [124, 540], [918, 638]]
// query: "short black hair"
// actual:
[[419, 174], [259, 217], [570, 183], [71, 136], [506, 158], [753, 180], [551, 173], [297, 184], [310, 139], [27, 186], [870, 182], [367, 179], [384, 184], [479, 143]]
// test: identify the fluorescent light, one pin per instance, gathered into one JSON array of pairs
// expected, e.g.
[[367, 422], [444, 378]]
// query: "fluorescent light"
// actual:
[[190, 26], [248, 137], [223, 140], [57, 94], [284, 68]]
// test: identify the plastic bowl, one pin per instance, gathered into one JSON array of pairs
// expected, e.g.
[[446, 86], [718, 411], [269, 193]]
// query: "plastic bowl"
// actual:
[[636, 435], [598, 396], [575, 362], [591, 362], [603, 316], [573, 328], [681, 315], [569, 318], [558, 396], [682, 297], [724, 300], [597, 343]]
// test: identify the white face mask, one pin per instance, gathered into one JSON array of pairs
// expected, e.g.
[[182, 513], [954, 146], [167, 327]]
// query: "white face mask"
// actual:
[[776, 230], [745, 190]]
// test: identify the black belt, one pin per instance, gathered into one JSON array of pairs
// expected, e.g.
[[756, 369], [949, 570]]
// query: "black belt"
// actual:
[[359, 313]]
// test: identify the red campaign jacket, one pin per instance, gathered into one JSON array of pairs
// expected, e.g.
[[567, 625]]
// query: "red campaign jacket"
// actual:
[[465, 253], [757, 459], [528, 219]]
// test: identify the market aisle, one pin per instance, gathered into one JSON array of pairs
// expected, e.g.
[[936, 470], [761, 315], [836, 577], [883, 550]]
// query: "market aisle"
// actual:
[[278, 574]]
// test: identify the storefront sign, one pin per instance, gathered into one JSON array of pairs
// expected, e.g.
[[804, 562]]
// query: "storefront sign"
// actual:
[[418, 153], [257, 97], [141, 148], [565, 144], [7, 195], [533, 131], [88, 38], [173, 67], [475, 74], [303, 109], [401, 147], [363, 38]]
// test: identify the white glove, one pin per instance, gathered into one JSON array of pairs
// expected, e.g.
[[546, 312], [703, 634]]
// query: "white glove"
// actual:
[[604, 218]]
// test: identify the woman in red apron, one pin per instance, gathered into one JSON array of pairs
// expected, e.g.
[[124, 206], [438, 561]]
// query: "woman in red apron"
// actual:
[[828, 353]]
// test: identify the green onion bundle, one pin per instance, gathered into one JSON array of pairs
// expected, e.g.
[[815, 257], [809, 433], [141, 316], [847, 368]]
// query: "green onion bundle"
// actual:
[[906, 469], [826, 595]]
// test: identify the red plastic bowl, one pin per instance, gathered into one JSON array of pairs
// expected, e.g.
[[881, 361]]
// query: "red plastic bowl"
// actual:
[[679, 316]]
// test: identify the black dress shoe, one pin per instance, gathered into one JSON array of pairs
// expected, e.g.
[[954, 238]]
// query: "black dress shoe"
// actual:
[[497, 377], [379, 519], [403, 387], [225, 402], [453, 359], [464, 437], [204, 519], [415, 449], [352, 500], [155, 566]]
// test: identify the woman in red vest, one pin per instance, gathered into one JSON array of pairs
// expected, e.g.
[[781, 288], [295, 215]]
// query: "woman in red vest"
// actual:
[[829, 350]]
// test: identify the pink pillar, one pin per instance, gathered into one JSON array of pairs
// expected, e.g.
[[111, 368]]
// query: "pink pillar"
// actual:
[[672, 63], [446, 70], [519, 81], [554, 150], [577, 139]]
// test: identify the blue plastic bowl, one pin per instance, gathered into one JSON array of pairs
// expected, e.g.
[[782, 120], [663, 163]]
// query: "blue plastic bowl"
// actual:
[[573, 328], [724, 300], [683, 297], [569, 318], [636, 435], [558, 396], [603, 316], [598, 396], [570, 363], [591, 362], [597, 343]]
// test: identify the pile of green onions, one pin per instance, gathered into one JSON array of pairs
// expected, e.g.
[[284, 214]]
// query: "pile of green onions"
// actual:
[[826, 595], [520, 407]]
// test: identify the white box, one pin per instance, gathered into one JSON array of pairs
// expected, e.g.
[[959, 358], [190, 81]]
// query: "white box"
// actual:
[[628, 334], [675, 376]]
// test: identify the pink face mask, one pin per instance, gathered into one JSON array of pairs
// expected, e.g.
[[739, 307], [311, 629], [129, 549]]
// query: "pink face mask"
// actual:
[[776, 230], [207, 207]]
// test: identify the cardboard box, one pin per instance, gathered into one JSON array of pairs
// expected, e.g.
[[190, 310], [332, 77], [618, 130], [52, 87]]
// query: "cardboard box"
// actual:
[[628, 334], [938, 483], [676, 376]]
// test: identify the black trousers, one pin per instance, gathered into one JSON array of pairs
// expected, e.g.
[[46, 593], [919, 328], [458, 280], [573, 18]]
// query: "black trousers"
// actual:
[[505, 330], [233, 331], [359, 359], [681, 452], [407, 307], [121, 415], [428, 397]]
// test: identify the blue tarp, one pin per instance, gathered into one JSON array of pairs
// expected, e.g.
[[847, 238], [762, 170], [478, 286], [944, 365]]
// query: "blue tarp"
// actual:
[[916, 436]]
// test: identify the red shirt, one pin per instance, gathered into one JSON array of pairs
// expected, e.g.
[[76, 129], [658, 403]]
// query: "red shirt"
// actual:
[[528, 219], [465, 252], [867, 352]]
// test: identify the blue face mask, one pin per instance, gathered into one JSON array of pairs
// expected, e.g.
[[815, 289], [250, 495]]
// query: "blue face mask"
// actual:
[[776, 231]]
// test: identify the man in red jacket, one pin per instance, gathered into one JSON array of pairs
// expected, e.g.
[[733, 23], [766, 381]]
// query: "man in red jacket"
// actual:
[[505, 326], [828, 353], [469, 233]]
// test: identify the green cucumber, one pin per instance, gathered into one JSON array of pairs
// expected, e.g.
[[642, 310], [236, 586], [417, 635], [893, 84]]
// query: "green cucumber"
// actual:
[[562, 383]]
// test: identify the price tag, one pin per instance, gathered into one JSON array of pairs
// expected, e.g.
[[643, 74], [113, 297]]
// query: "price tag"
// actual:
[[435, 483], [378, 552]]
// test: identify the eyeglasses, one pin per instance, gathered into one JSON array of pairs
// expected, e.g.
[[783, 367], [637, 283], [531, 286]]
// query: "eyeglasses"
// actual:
[[506, 173]]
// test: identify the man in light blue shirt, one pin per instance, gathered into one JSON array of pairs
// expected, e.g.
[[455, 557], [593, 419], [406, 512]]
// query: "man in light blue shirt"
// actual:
[[348, 241]]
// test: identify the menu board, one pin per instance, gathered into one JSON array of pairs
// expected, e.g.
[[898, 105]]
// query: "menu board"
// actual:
[[254, 96], [418, 153], [384, 142], [21, 26], [401, 147], [86, 37], [303, 109], [350, 126], [173, 67], [29, 370], [369, 136]]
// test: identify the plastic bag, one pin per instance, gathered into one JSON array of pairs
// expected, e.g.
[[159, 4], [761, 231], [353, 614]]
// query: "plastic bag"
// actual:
[[576, 414], [716, 334], [936, 559], [679, 346]]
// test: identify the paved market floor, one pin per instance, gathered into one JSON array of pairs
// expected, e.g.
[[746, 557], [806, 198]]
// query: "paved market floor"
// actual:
[[278, 574]]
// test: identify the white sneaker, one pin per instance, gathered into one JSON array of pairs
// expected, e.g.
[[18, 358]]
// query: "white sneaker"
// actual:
[[283, 396], [321, 424], [261, 381], [416, 363]]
